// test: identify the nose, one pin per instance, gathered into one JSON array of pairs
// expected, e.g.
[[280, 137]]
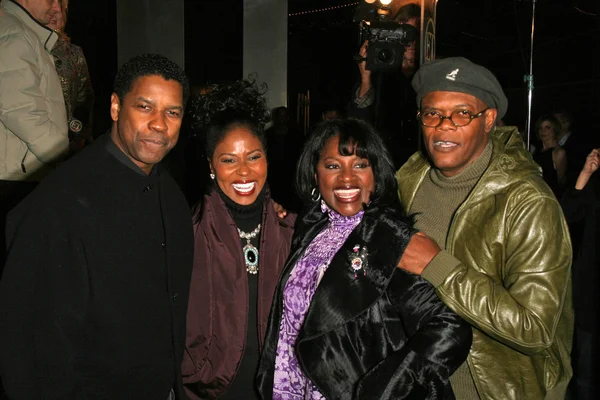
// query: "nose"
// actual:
[[56, 7], [447, 123], [159, 123], [243, 169], [346, 174]]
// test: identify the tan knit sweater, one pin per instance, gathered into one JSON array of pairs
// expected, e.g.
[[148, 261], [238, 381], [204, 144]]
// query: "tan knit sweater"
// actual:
[[434, 206]]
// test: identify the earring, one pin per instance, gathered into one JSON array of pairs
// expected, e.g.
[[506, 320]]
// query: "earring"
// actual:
[[315, 195], [212, 176]]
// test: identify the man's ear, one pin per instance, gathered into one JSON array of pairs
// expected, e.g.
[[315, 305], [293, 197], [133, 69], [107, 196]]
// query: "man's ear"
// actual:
[[115, 106], [490, 119]]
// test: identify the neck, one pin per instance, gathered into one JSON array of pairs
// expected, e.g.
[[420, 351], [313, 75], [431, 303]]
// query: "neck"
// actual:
[[549, 143], [243, 212]]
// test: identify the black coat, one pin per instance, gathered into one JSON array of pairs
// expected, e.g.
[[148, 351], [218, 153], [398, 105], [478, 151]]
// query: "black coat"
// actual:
[[383, 335], [94, 293]]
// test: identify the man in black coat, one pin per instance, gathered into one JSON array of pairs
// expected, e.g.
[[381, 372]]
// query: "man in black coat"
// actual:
[[94, 293]]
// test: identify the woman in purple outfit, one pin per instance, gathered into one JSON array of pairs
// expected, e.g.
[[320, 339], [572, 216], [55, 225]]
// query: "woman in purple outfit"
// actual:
[[346, 323]]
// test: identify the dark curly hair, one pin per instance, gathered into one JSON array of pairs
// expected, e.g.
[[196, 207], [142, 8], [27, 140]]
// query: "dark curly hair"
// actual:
[[228, 105], [146, 65], [355, 136]]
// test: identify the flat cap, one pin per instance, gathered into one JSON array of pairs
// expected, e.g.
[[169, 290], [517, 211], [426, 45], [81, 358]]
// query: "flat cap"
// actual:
[[457, 74]]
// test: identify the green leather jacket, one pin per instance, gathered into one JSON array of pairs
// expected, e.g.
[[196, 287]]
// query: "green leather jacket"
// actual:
[[513, 280]]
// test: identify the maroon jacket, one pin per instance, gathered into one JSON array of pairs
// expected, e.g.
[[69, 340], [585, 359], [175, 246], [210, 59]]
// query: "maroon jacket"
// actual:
[[218, 302]]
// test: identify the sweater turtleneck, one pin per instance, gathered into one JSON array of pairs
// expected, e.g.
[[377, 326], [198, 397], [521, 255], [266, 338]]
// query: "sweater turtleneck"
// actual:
[[439, 196], [246, 217]]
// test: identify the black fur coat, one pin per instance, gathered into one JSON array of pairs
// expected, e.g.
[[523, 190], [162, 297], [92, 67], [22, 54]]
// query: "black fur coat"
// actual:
[[380, 335]]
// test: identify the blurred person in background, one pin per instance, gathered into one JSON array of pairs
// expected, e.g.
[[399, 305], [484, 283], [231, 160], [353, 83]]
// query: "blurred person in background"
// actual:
[[386, 99], [551, 157], [33, 122], [72, 69], [581, 205]]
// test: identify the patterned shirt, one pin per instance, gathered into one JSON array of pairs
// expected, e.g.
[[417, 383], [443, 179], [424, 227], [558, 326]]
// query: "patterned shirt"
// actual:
[[290, 383]]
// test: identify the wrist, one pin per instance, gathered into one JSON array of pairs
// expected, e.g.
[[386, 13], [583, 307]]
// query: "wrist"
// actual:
[[364, 89], [582, 180]]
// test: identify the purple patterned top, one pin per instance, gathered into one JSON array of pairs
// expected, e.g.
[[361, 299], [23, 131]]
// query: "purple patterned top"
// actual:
[[290, 383]]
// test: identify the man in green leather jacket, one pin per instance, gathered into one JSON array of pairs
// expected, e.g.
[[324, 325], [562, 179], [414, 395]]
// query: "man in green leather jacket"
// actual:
[[494, 242]]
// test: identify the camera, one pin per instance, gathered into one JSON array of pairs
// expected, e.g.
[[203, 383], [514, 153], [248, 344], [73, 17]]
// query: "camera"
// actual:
[[387, 35], [387, 40]]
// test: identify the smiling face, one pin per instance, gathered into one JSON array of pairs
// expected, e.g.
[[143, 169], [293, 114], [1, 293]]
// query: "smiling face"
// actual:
[[240, 165], [452, 148], [42, 10], [147, 120], [57, 22], [345, 182]]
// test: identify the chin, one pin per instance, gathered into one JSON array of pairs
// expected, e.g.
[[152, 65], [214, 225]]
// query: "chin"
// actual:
[[244, 200], [348, 211]]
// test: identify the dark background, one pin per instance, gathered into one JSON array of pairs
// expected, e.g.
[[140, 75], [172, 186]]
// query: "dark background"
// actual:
[[321, 44]]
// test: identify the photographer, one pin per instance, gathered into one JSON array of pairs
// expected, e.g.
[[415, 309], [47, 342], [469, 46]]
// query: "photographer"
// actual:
[[385, 97]]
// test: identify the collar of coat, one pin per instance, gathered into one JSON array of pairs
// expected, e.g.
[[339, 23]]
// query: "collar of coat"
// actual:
[[510, 163], [46, 35], [341, 296]]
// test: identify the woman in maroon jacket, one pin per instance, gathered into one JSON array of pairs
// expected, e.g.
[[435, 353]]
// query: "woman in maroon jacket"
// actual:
[[240, 247]]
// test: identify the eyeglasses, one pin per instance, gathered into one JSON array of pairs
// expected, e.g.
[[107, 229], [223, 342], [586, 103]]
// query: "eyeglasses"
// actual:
[[433, 119]]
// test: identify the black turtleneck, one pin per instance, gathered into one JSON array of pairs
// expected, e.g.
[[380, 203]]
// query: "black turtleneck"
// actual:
[[247, 218]]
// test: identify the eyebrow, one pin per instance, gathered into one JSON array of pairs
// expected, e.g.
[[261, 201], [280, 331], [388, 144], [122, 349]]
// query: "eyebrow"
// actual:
[[146, 100], [341, 156], [235, 155]]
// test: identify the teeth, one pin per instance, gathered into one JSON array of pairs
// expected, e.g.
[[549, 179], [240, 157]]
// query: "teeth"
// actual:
[[243, 187], [445, 144], [346, 193]]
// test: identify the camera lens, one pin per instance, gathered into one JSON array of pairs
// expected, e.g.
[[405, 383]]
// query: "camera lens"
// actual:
[[385, 56]]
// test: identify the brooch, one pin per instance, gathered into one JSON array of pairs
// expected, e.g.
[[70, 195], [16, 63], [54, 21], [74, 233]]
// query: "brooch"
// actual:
[[358, 260]]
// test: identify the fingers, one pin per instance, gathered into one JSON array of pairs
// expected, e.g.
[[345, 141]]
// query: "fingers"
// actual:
[[363, 49], [594, 156], [592, 162]]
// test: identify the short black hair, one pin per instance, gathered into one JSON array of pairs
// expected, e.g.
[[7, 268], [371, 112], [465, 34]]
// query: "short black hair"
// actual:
[[355, 136], [226, 106], [566, 114], [146, 65]]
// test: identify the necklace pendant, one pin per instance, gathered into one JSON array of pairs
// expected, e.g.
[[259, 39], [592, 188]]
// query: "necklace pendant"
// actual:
[[250, 251], [251, 258]]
